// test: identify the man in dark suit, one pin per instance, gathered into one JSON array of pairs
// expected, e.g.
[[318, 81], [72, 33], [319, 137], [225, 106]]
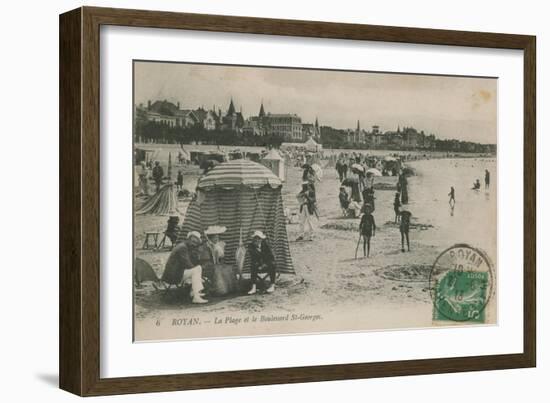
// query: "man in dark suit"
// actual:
[[158, 174], [261, 261], [183, 267]]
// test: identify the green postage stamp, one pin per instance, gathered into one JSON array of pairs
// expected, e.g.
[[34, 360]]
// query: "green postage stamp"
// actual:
[[461, 284]]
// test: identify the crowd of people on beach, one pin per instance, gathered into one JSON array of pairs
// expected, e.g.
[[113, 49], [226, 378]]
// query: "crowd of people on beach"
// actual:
[[356, 173], [356, 197], [361, 202]]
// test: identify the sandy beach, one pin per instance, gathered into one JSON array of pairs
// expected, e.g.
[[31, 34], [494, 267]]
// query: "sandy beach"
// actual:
[[333, 291]]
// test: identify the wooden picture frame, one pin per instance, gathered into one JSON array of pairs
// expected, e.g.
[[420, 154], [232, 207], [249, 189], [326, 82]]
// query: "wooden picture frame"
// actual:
[[79, 348]]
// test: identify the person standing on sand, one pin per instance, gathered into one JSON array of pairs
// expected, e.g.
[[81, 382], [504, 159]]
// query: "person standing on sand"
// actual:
[[344, 170], [402, 188], [158, 174], [367, 229], [487, 179], [404, 229], [344, 200], [451, 195], [143, 173], [179, 180], [339, 170], [396, 206], [307, 208]]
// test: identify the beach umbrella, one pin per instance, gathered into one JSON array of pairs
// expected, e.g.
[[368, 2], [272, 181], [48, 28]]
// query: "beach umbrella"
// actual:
[[389, 158], [374, 172], [164, 202], [358, 167], [408, 171], [239, 173]]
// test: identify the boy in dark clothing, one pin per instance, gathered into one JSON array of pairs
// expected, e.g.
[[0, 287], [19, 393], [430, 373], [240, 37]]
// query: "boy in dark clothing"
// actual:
[[367, 228], [396, 205], [452, 197], [404, 229]]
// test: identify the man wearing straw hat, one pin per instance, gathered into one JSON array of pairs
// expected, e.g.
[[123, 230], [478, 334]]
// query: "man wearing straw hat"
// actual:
[[261, 261], [182, 266]]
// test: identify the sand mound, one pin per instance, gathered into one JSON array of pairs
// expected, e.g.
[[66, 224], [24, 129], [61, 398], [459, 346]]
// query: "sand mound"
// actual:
[[418, 226], [408, 273], [385, 186], [343, 225]]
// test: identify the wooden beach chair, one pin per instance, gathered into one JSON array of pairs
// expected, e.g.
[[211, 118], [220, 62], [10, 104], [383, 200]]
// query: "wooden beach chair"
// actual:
[[171, 232]]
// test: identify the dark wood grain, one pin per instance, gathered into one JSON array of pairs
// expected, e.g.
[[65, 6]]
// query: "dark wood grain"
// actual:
[[530, 202], [70, 271], [80, 196]]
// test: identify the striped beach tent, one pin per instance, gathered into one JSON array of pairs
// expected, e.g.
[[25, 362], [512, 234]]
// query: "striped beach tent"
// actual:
[[164, 202], [243, 196]]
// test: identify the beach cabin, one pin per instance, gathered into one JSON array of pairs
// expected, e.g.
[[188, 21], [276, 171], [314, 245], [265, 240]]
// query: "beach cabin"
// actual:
[[143, 155], [275, 163], [312, 146]]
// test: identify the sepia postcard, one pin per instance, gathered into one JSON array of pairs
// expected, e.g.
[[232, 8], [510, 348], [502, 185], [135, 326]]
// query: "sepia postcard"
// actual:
[[277, 200]]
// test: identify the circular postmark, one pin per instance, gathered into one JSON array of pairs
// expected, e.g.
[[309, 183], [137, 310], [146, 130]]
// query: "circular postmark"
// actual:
[[461, 284]]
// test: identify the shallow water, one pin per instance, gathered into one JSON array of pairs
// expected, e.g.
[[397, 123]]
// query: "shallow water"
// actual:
[[473, 219]]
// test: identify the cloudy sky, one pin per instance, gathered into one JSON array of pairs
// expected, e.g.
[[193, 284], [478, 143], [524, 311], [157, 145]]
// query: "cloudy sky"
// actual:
[[450, 107]]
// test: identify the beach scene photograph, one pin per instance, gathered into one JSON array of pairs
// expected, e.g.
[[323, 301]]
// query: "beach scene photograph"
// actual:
[[271, 200]]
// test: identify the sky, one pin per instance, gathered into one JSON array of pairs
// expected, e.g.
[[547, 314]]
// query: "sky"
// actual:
[[463, 108]]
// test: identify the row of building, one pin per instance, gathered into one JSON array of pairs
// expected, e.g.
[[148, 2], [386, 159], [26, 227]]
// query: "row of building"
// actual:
[[287, 126], [408, 137], [290, 128]]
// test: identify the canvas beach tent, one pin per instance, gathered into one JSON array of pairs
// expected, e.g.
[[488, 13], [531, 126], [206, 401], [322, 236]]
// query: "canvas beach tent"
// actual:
[[312, 146], [164, 202], [244, 197], [275, 163]]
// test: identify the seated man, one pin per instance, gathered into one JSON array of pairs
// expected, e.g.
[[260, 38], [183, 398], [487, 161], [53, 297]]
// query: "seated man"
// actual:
[[182, 266], [261, 261]]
